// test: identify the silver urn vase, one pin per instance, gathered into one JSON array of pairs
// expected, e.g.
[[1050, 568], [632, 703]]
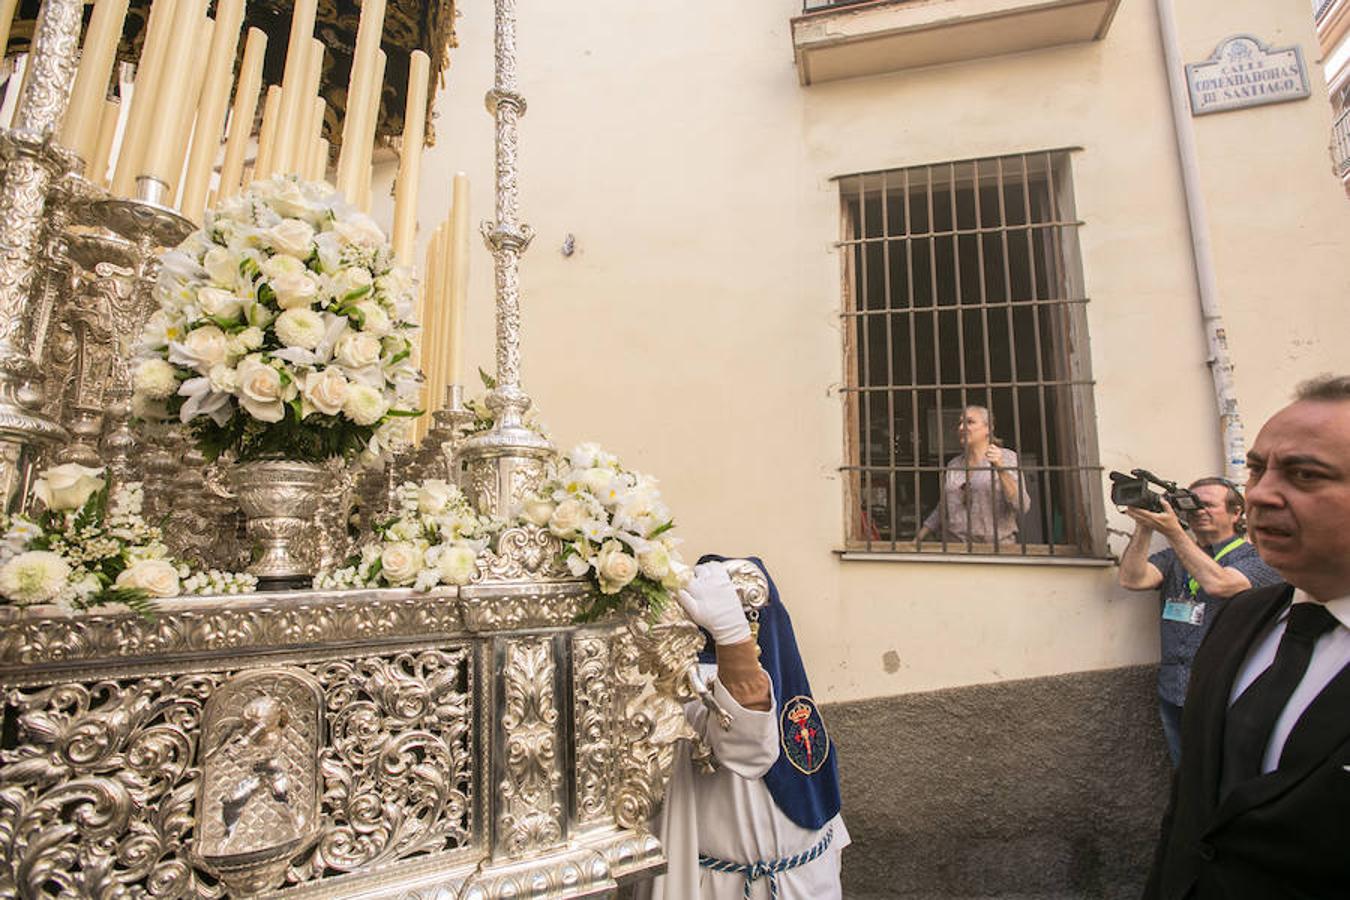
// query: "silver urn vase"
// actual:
[[279, 498]]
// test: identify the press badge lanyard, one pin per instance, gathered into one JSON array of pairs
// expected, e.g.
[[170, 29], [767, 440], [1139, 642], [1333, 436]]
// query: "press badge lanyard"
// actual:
[[1191, 611], [1193, 585]]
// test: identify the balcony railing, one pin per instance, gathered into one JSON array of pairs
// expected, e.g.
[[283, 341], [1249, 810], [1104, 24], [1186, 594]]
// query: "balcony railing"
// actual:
[[1340, 143], [1318, 13]]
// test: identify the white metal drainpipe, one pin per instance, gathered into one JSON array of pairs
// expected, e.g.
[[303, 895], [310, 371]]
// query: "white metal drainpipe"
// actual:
[[1220, 362]]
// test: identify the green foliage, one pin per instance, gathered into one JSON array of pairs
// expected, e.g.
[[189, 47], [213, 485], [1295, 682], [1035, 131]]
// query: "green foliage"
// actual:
[[642, 595], [314, 439], [488, 381]]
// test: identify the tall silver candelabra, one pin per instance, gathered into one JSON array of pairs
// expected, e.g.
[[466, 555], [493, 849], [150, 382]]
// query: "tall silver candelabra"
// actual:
[[507, 463], [31, 163]]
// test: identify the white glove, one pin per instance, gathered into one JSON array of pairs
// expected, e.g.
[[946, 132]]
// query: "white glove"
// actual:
[[712, 602]]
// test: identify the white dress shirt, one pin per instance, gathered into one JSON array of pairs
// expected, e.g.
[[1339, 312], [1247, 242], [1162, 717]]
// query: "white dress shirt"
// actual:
[[1330, 655]]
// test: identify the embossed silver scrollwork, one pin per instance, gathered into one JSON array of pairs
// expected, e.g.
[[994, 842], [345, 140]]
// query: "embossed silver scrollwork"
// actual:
[[529, 810]]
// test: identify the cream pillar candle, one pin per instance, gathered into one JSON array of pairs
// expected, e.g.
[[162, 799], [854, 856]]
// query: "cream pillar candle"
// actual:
[[163, 158], [293, 99], [141, 116], [445, 320], [267, 135], [80, 129], [368, 35], [241, 115], [433, 332], [313, 131], [459, 277], [410, 158], [7, 10], [215, 95], [191, 105], [367, 141], [97, 170], [320, 170]]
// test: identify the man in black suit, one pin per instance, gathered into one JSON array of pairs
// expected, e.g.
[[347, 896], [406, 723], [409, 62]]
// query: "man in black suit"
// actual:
[[1261, 803]]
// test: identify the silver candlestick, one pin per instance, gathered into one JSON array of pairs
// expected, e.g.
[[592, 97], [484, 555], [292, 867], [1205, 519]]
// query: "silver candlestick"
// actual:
[[31, 163], [507, 463]]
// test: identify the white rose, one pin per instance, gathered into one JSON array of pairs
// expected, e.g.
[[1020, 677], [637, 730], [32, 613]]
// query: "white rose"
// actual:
[[208, 344], [260, 391], [364, 405], [616, 569], [218, 303], [325, 391], [222, 266], [567, 519], [654, 561], [396, 282], [67, 486], [286, 197], [457, 564], [292, 237], [157, 577], [351, 279], [155, 378], [598, 480], [33, 577], [359, 229], [400, 563], [357, 349], [293, 291], [374, 319], [223, 379], [538, 511], [434, 496], [300, 328], [250, 338], [281, 267]]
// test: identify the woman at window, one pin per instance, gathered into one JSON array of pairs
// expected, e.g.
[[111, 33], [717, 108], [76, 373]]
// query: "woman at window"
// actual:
[[982, 491]]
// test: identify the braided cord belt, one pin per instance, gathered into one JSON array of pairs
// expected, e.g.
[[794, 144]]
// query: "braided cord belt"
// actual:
[[770, 870]]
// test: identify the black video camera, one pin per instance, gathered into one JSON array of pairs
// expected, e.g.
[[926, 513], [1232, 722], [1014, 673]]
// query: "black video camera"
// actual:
[[1132, 490]]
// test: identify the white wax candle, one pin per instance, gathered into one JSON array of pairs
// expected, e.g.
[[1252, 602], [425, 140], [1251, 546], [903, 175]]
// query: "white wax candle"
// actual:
[[141, 117], [459, 276], [410, 158], [293, 99], [267, 135], [215, 95], [368, 35], [163, 156], [97, 170], [80, 129], [241, 115]]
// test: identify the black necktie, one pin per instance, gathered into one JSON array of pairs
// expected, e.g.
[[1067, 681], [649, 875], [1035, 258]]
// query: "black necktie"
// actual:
[[1252, 716]]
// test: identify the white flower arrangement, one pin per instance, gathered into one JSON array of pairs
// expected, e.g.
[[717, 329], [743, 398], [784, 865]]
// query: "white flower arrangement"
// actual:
[[435, 538], [612, 524], [283, 328], [615, 530], [88, 549]]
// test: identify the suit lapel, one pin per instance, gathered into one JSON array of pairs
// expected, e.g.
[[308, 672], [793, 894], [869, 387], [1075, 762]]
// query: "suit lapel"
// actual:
[[1322, 728], [1231, 639]]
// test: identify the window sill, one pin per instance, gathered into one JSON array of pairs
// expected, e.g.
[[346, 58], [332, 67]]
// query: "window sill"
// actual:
[[831, 43], [1091, 562]]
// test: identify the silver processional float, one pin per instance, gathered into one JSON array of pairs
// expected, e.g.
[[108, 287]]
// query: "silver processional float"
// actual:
[[477, 740]]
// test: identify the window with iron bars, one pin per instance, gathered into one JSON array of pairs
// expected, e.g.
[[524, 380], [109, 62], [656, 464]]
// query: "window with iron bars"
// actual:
[[963, 288]]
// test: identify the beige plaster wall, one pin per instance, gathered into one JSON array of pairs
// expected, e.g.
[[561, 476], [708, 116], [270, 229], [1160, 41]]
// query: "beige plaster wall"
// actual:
[[695, 329]]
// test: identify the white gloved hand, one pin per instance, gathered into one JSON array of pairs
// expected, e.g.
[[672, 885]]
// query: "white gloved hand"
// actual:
[[712, 602]]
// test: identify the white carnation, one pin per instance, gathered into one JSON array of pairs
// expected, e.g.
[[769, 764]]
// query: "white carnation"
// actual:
[[364, 405], [33, 577], [155, 379], [457, 564], [300, 328]]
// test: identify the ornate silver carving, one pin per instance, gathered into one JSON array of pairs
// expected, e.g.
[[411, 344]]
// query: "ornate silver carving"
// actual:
[[258, 797], [515, 607], [594, 728], [31, 641], [31, 163], [529, 801], [280, 499], [524, 552]]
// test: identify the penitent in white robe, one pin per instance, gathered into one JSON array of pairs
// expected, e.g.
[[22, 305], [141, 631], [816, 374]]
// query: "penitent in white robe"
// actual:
[[730, 814]]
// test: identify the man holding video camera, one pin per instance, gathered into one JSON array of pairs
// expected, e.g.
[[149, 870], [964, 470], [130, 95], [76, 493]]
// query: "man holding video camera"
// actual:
[[1192, 576]]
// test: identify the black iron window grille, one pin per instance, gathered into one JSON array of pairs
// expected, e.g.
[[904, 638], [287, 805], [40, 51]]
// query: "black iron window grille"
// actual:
[[963, 288]]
